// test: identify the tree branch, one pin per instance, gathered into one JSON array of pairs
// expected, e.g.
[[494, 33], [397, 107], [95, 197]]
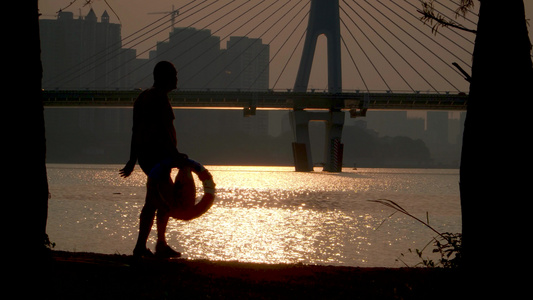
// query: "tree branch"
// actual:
[[429, 16]]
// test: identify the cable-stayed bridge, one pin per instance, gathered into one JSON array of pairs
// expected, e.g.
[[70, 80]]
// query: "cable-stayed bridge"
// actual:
[[384, 47], [369, 44]]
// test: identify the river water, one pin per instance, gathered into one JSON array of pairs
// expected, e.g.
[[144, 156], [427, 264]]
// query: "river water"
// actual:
[[264, 214]]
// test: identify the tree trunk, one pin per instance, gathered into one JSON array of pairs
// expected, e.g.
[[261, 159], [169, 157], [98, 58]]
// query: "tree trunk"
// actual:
[[495, 140], [26, 143]]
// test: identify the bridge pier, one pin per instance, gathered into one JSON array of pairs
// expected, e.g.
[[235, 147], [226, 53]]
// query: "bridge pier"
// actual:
[[323, 19], [333, 154]]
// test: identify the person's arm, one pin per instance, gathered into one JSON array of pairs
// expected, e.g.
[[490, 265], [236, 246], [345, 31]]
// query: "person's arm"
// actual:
[[130, 165]]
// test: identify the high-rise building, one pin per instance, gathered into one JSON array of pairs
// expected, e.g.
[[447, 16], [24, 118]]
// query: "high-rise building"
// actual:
[[248, 63], [81, 53], [197, 56], [202, 64]]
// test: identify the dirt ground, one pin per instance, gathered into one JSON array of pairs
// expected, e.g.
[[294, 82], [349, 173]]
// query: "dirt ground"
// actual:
[[98, 276]]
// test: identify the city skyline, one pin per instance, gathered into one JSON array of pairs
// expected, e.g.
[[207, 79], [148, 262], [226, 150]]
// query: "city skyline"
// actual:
[[87, 53]]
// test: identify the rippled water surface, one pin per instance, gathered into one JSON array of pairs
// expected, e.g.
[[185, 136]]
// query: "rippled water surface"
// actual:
[[263, 214]]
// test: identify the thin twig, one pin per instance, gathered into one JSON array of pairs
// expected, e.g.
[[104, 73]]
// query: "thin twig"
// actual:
[[397, 207], [428, 16], [442, 22]]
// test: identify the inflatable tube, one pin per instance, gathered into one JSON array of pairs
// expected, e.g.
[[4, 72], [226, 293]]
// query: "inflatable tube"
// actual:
[[184, 206]]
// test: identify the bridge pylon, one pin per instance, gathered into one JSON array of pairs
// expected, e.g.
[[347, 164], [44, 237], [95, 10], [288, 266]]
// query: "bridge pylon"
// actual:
[[323, 19]]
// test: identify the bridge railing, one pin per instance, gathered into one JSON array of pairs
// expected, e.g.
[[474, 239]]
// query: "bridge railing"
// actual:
[[266, 99]]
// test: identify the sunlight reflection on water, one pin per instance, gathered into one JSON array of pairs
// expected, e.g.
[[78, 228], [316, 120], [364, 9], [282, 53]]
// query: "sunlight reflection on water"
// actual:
[[262, 214]]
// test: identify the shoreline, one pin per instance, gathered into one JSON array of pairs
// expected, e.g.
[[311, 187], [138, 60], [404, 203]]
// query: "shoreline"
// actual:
[[82, 275], [345, 166]]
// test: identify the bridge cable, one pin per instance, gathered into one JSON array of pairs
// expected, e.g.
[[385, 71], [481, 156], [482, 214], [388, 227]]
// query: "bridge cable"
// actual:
[[189, 26], [364, 52], [88, 61], [286, 40], [460, 27], [469, 9], [269, 43], [394, 49], [375, 47], [407, 46], [455, 11], [441, 33], [292, 54], [171, 26], [165, 22], [240, 40], [451, 29], [356, 67], [171, 48], [258, 54], [368, 57], [190, 36], [422, 44], [116, 68], [242, 25], [429, 36]]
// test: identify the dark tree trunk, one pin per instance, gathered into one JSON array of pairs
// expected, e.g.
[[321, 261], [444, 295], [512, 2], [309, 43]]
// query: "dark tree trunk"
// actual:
[[495, 140], [26, 144]]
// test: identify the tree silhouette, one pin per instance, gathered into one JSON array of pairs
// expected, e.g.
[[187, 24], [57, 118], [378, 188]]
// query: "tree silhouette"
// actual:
[[32, 143], [25, 194], [501, 86]]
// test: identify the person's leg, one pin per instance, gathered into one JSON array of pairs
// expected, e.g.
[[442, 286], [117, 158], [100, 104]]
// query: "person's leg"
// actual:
[[162, 249], [161, 223], [165, 197], [146, 219]]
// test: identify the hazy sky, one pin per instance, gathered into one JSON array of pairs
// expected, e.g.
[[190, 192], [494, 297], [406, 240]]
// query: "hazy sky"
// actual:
[[401, 58]]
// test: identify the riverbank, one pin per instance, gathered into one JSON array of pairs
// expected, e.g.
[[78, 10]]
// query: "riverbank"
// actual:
[[101, 276]]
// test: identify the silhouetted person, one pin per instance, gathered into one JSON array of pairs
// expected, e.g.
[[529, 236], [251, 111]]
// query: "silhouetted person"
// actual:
[[154, 146]]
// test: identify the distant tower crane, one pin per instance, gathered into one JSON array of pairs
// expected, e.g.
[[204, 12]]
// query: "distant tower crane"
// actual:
[[174, 13]]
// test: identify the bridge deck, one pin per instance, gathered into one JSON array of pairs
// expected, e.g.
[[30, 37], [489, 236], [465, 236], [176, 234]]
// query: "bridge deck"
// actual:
[[267, 100]]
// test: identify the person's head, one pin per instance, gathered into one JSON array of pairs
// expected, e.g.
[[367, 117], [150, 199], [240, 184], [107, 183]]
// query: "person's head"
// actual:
[[165, 76]]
